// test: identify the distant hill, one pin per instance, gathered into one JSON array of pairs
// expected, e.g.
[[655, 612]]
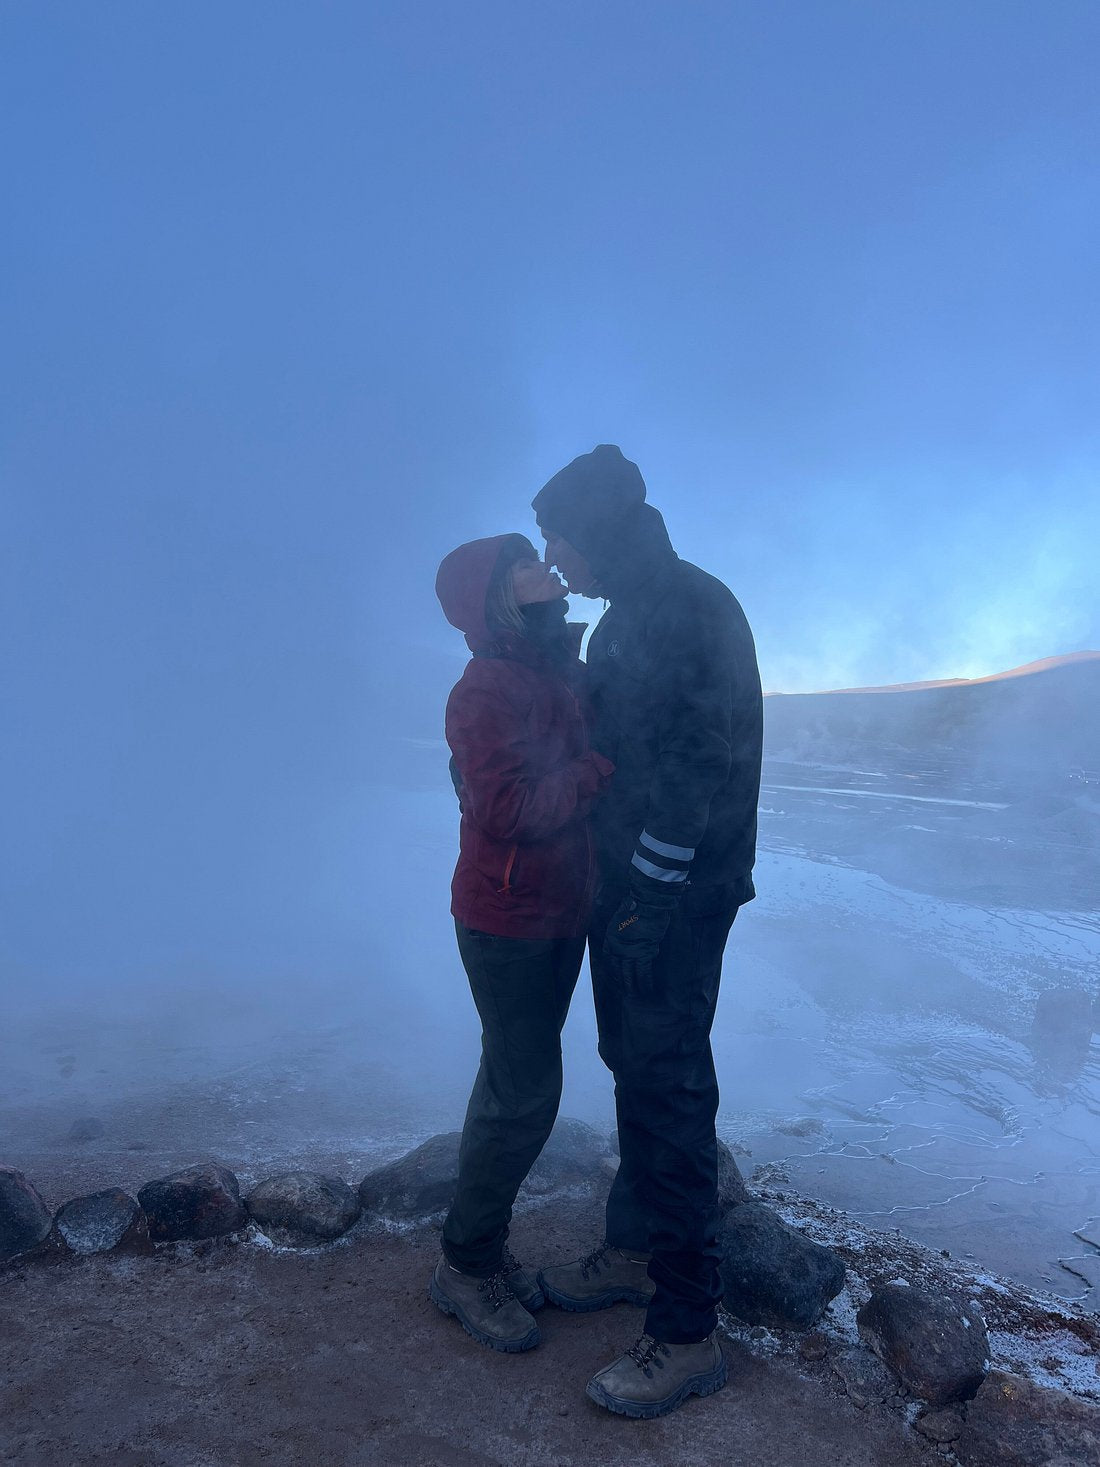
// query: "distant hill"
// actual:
[[1043, 665], [1044, 716]]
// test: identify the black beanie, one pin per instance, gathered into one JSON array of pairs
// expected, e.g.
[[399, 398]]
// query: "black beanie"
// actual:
[[585, 501]]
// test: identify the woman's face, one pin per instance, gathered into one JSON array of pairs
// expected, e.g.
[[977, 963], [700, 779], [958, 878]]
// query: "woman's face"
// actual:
[[533, 580]]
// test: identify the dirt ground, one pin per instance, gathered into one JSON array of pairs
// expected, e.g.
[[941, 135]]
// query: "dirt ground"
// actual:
[[236, 1356]]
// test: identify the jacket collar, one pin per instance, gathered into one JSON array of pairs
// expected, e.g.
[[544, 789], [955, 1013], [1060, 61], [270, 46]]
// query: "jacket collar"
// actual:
[[643, 561], [513, 647]]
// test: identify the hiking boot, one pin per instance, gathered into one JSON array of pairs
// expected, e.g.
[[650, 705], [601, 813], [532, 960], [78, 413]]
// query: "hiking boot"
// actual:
[[485, 1308], [521, 1283], [604, 1277], [652, 1379]]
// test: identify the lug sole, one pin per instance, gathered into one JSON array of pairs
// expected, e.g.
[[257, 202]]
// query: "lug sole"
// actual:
[[696, 1385], [507, 1347], [599, 1301]]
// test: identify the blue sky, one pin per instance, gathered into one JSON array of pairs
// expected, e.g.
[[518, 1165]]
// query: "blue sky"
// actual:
[[296, 297]]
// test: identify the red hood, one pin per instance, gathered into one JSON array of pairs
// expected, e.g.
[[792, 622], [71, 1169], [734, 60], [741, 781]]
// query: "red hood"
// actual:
[[462, 583]]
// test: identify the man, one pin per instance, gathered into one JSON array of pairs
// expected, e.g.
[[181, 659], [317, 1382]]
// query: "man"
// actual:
[[676, 702]]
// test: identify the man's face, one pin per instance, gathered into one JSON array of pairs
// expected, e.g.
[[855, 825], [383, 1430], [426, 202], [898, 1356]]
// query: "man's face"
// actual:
[[572, 565]]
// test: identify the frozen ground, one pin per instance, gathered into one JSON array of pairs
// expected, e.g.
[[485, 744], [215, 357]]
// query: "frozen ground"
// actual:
[[874, 1040], [893, 965]]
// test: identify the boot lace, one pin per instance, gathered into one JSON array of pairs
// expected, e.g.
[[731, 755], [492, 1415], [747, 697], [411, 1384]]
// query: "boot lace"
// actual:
[[509, 1263], [594, 1260], [496, 1291], [648, 1352]]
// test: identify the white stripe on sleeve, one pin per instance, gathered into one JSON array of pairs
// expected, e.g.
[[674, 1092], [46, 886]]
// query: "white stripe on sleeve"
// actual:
[[662, 847], [659, 873]]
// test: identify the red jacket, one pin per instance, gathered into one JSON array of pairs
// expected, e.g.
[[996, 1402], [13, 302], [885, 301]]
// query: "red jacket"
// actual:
[[527, 777]]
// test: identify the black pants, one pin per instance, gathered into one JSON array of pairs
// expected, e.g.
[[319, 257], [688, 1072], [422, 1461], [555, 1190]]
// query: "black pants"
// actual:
[[522, 989], [664, 1199]]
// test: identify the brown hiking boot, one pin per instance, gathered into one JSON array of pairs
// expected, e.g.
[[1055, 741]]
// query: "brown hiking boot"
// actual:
[[604, 1277], [521, 1283], [485, 1308], [652, 1379]]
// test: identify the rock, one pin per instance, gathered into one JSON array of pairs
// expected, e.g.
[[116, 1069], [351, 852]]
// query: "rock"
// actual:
[[802, 1126], [199, 1202], [938, 1345], [303, 1207], [1012, 1423], [86, 1128], [813, 1348], [575, 1154], [867, 1381], [25, 1220], [1061, 1031], [940, 1424], [771, 1274], [1063, 1013], [416, 1185], [421, 1184], [731, 1184], [103, 1222]]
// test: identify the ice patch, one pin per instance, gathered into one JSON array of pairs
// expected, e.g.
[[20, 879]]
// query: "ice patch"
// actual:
[[886, 795], [1058, 1360]]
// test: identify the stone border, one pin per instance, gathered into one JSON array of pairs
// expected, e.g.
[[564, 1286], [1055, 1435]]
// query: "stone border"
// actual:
[[916, 1344], [293, 1208]]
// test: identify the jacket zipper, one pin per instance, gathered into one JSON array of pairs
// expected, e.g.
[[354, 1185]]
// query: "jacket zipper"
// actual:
[[590, 878], [506, 889]]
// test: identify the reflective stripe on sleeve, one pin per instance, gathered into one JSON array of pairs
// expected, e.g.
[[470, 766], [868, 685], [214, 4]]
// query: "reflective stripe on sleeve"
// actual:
[[662, 847], [659, 873]]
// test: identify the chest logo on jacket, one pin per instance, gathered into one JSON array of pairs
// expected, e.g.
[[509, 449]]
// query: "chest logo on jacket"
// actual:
[[613, 649]]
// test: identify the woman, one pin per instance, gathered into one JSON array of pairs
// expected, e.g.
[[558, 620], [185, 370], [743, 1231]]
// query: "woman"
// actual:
[[522, 889]]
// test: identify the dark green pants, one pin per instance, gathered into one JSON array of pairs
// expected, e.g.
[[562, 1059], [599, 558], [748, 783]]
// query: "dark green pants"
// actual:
[[522, 989]]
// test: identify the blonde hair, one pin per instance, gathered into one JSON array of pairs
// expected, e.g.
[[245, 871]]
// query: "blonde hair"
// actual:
[[502, 613]]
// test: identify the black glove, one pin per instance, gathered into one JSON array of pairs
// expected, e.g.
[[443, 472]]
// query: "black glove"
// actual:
[[634, 937]]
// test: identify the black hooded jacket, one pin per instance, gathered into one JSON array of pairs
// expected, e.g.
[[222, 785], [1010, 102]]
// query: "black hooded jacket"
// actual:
[[675, 694]]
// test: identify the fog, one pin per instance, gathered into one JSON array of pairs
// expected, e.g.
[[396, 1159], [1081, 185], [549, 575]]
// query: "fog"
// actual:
[[294, 302]]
